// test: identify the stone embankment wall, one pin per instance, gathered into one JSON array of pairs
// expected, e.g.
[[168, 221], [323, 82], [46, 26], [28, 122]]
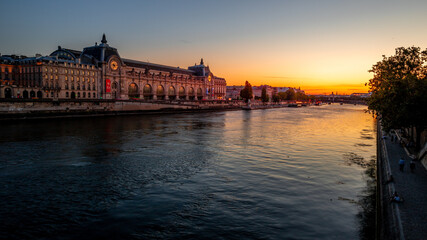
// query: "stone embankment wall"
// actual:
[[389, 223], [19, 109]]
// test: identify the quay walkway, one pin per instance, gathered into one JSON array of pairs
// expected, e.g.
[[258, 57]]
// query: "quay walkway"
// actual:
[[406, 220]]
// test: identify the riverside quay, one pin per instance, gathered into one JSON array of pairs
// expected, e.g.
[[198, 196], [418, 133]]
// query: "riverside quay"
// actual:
[[98, 72]]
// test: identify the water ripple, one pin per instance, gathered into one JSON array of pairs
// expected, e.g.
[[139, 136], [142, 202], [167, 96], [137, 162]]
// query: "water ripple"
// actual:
[[268, 174]]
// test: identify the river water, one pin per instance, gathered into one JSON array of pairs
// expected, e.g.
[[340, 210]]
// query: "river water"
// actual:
[[288, 173]]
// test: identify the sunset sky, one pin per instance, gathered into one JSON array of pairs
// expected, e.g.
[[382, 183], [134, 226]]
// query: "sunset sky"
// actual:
[[320, 46]]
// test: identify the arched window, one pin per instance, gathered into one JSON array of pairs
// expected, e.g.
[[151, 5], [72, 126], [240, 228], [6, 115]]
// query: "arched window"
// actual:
[[148, 91], [191, 94], [182, 92], [160, 92], [171, 93], [133, 91]]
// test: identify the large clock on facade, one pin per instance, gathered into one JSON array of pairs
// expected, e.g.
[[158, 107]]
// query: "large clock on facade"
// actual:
[[114, 65]]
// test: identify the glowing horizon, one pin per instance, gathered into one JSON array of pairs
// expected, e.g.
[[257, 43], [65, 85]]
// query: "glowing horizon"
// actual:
[[320, 46]]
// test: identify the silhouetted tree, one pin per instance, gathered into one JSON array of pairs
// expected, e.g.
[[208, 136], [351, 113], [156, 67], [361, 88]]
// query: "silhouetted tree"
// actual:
[[282, 95], [301, 96], [264, 95], [246, 93], [399, 90], [290, 94]]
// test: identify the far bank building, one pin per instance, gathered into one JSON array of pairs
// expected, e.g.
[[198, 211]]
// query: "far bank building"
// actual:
[[99, 72]]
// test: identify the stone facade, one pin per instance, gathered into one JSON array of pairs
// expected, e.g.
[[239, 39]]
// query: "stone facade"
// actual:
[[99, 72], [233, 92]]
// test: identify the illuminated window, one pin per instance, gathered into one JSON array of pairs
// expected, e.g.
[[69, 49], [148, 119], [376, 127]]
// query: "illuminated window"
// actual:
[[66, 70]]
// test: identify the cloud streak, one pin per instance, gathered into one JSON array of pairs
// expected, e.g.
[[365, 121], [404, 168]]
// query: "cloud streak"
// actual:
[[277, 77]]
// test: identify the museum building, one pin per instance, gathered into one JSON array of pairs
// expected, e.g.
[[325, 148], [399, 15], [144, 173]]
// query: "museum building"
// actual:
[[98, 72]]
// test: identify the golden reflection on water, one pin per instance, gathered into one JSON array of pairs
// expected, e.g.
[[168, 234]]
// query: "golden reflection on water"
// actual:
[[266, 174]]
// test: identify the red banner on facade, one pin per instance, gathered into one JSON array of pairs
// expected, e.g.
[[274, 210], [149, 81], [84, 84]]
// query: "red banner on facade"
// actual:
[[107, 85]]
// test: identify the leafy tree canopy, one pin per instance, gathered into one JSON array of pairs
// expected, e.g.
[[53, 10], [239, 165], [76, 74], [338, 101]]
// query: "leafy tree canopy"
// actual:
[[282, 95], [290, 94], [264, 95], [399, 89], [246, 93]]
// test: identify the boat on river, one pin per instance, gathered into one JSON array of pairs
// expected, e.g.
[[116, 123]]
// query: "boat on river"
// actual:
[[294, 105], [254, 107]]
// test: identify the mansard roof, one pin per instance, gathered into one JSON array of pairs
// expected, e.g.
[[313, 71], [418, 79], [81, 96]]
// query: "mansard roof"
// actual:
[[74, 52], [96, 51], [68, 54], [153, 66]]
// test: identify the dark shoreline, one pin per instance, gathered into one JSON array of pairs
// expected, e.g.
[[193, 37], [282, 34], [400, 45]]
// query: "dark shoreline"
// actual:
[[39, 115], [26, 109]]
